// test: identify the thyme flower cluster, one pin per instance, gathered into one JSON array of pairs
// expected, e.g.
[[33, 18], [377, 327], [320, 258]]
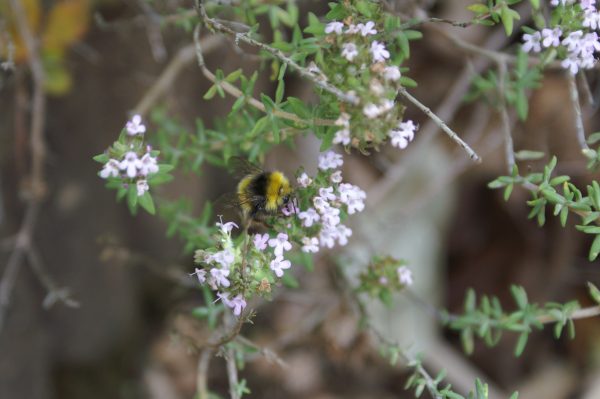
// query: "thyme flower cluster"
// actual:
[[136, 164], [576, 46], [364, 69]]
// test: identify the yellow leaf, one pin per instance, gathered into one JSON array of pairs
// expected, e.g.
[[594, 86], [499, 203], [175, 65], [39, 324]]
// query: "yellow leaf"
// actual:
[[67, 21], [32, 11], [58, 79]]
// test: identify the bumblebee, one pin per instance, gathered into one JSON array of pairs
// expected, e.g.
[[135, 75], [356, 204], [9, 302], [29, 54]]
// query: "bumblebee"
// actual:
[[260, 193]]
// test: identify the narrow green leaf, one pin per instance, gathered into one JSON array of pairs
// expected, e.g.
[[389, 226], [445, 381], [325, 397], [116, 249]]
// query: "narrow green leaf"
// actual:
[[521, 343]]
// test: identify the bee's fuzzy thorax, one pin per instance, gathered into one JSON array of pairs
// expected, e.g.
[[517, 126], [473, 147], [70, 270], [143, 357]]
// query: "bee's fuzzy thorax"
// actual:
[[277, 185]]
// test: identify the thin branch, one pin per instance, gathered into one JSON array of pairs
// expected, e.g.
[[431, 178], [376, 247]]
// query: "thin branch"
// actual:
[[237, 93], [584, 313], [232, 374], [278, 54], [574, 95], [509, 150], [202, 373], [54, 292], [267, 353], [472, 154]]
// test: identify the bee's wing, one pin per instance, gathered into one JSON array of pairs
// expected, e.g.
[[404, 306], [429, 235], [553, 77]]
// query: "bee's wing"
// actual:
[[241, 167], [235, 200]]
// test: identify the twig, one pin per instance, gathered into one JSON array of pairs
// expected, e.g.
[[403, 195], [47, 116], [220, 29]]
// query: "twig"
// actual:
[[184, 57], [472, 154], [202, 373], [232, 374], [54, 293], [584, 313], [270, 355], [235, 92], [574, 94], [509, 150], [276, 54]]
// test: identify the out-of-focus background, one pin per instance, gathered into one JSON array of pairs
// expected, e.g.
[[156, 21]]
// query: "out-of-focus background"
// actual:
[[130, 335]]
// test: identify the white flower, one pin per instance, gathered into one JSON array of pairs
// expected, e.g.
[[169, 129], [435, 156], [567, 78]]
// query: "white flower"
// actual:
[[561, 2], [200, 273], [379, 52], [349, 51], [110, 169], [330, 216], [278, 265], [573, 41], [376, 88], [367, 29], [130, 164], [403, 135], [551, 37], [220, 276], [342, 137], [280, 243], [405, 276], [320, 203], [148, 165], [589, 44], [330, 160], [336, 177], [343, 120], [586, 4], [371, 111], [343, 234], [352, 29], [327, 236], [310, 244], [391, 73], [225, 258], [532, 42], [141, 187], [304, 180], [571, 63], [309, 217], [226, 227], [386, 105], [135, 126], [334, 26], [353, 196], [327, 193], [260, 241]]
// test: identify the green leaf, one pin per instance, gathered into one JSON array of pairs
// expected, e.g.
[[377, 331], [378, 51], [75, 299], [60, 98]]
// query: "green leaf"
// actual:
[[595, 248], [515, 395], [594, 292], [593, 138], [527, 155], [147, 203], [508, 191], [467, 341], [132, 198], [521, 343], [507, 20], [478, 8], [102, 158]]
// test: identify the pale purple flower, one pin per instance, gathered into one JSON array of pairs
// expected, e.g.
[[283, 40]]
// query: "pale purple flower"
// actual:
[[334, 26], [353, 196], [403, 135], [110, 169], [304, 180], [349, 51], [278, 265], [386, 105], [391, 73], [135, 126], [309, 217], [342, 137], [327, 193], [260, 241], [280, 243], [379, 52], [532, 42], [591, 18], [237, 304], [589, 44], [141, 186], [310, 244], [571, 63], [148, 165], [551, 37], [367, 29], [220, 276], [330, 160], [405, 276], [320, 203], [225, 258], [336, 177], [586, 4], [573, 41], [226, 227], [555, 3], [291, 208], [130, 164], [330, 216], [200, 274], [343, 233]]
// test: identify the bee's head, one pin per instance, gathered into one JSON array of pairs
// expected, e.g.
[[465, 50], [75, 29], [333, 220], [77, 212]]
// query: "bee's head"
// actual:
[[285, 191]]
